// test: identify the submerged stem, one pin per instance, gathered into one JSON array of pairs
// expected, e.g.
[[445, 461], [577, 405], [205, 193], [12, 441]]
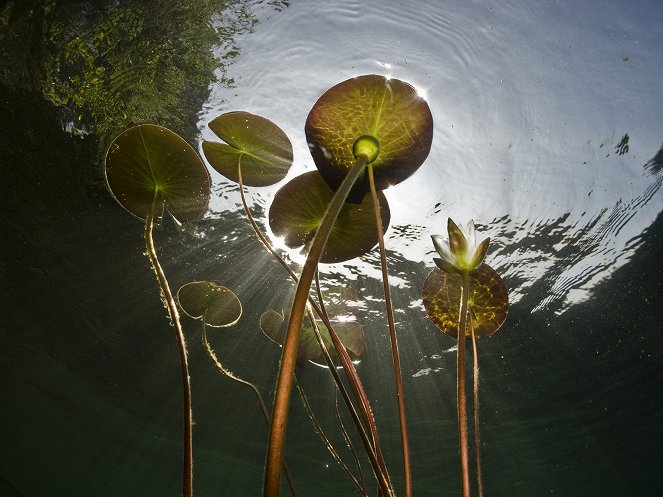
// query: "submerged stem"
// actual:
[[255, 227], [348, 441], [261, 402], [325, 440], [371, 445], [187, 467], [400, 395], [462, 401], [477, 439], [291, 342]]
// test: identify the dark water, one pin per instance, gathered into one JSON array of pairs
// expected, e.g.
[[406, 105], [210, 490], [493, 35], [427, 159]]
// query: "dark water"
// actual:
[[89, 375]]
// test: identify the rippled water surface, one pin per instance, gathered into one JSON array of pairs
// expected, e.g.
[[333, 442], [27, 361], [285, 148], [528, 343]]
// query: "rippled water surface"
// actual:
[[547, 132]]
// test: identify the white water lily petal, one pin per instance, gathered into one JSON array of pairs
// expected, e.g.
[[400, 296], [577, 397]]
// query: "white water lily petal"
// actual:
[[442, 246], [460, 251], [470, 236]]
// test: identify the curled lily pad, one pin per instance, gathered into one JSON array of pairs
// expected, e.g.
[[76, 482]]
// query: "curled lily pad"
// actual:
[[388, 110], [488, 300], [350, 333], [150, 165], [257, 145], [216, 305], [300, 205]]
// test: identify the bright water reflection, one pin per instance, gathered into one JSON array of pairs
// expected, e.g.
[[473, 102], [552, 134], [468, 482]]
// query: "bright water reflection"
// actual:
[[545, 117]]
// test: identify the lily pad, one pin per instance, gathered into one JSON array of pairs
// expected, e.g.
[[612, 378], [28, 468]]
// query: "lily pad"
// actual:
[[388, 110], [488, 300], [148, 160], [350, 333], [300, 205], [216, 305], [259, 146]]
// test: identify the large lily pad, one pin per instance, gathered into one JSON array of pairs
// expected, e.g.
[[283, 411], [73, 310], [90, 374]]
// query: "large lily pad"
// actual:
[[387, 109], [488, 300], [300, 205], [216, 305], [256, 144], [350, 333], [148, 160]]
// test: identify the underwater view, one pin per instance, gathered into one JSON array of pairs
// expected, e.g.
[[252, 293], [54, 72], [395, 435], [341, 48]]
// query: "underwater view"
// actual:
[[241, 241]]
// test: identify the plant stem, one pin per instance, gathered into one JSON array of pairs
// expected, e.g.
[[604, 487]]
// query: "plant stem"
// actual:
[[291, 342], [254, 225], [400, 395], [318, 291], [187, 468], [261, 402], [325, 440], [348, 441], [462, 401], [372, 447], [477, 439]]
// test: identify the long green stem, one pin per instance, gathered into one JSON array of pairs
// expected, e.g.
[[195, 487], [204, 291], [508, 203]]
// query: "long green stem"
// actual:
[[462, 401], [261, 402], [187, 467], [291, 343], [371, 445], [400, 395], [477, 438]]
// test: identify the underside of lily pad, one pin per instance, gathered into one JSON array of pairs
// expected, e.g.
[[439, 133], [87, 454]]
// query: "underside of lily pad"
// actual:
[[210, 302], [386, 109], [150, 167], [254, 144], [488, 300], [350, 333], [300, 205]]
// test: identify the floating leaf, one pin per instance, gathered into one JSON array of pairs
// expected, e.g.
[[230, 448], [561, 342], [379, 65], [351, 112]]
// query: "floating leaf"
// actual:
[[256, 144], [148, 160], [388, 110], [216, 305], [300, 205], [488, 300], [350, 333], [271, 324]]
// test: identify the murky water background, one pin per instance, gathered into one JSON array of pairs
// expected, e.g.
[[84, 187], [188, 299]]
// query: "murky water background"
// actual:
[[547, 133]]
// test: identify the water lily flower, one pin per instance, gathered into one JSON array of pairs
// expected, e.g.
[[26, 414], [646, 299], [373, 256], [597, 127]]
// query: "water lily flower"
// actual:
[[460, 252]]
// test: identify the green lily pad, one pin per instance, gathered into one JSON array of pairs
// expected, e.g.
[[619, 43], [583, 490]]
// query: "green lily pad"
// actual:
[[388, 110], [216, 305], [256, 144], [350, 333], [300, 205], [488, 300], [146, 160]]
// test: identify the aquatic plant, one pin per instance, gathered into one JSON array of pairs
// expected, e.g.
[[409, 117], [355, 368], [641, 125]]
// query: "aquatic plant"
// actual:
[[463, 277], [258, 141], [344, 127], [364, 134], [300, 205], [217, 306], [317, 346], [149, 170]]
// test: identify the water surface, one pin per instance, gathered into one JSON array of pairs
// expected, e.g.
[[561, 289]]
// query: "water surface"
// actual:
[[547, 133]]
